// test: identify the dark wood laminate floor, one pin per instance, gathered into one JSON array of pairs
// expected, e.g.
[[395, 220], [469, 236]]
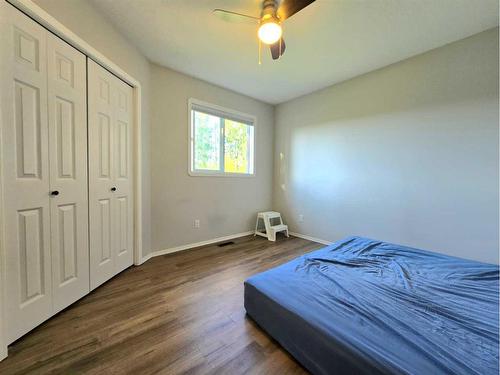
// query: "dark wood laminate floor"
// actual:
[[178, 313]]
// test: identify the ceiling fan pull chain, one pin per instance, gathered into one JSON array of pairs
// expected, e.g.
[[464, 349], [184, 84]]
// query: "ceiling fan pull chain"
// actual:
[[260, 53]]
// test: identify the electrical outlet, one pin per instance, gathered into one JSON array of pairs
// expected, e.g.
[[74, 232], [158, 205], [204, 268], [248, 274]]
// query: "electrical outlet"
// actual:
[[196, 223], [301, 218]]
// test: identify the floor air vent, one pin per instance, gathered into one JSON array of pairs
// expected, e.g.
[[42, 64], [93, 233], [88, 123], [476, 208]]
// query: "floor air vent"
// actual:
[[226, 243]]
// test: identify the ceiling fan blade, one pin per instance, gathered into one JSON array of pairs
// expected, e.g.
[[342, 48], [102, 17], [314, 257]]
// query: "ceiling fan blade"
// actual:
[[227, 15], [288, 8], [276, 50]]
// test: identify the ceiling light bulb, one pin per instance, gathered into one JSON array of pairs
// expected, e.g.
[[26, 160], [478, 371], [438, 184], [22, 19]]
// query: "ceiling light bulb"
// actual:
[[270, 32]]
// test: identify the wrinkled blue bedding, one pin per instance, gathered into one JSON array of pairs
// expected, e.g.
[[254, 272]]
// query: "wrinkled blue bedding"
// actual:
[[365, 306]]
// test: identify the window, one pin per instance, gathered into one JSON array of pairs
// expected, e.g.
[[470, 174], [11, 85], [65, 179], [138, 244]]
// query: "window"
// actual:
[[221, 141]]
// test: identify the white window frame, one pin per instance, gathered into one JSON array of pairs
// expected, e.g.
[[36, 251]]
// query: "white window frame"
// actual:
[[222, 112]]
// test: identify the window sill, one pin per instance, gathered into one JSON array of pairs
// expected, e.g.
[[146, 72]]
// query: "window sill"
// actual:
[[218, 174]]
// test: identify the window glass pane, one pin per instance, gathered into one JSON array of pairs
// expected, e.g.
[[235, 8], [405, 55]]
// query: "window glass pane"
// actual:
[[207, 141], [238, 147]]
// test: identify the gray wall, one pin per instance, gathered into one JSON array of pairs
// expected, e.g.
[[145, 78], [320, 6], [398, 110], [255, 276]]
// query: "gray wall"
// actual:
[[224, 206], [89, 24], [407, 154]]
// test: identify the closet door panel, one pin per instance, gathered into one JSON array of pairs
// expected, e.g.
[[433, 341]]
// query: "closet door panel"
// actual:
[[67, 103], [25, 172], [101, 174], [110, 168], [123, 180]]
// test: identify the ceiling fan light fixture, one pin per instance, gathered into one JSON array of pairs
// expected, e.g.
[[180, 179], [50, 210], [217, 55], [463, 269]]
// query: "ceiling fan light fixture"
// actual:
[[270, 31], [273, 13]]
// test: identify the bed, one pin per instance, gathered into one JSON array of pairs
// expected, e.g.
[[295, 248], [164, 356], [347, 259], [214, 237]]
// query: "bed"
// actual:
[[363, 306]]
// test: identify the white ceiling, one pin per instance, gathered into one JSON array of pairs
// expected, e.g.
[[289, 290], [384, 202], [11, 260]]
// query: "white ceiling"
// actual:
[[327, 42]]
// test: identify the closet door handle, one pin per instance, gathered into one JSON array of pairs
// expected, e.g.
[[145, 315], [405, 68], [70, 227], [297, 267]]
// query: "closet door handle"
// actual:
[[54, 193], [113, 189]]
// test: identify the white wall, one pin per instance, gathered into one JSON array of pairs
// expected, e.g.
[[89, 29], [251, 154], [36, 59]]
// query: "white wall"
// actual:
[[89, 24], [406, 154], [224, 206]]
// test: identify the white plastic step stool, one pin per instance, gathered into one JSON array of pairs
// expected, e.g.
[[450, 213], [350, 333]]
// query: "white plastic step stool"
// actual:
[[271, 230]]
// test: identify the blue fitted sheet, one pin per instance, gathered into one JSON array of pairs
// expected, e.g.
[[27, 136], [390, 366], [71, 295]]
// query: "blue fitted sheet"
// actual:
[[365, 306]]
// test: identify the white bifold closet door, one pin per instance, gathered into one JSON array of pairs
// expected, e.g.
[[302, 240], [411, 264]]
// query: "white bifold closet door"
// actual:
[[67, 88], [44, 172], [110, 170]]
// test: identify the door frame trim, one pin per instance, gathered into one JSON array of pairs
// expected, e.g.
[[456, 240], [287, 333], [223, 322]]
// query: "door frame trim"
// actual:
[[50, 23], [3, 343]]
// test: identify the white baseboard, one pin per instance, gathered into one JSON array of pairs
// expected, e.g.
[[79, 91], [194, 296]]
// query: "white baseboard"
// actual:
[[314, 239], [3, 353], [196, 244]]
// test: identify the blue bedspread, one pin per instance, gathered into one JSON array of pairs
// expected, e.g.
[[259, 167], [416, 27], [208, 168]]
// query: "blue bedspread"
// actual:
[[364, 306]]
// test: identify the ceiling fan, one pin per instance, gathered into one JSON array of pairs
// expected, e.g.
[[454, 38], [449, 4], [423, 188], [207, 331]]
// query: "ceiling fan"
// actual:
[[273, 14]]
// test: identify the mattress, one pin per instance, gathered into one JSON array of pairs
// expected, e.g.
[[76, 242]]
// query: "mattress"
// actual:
[[365, 306]]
